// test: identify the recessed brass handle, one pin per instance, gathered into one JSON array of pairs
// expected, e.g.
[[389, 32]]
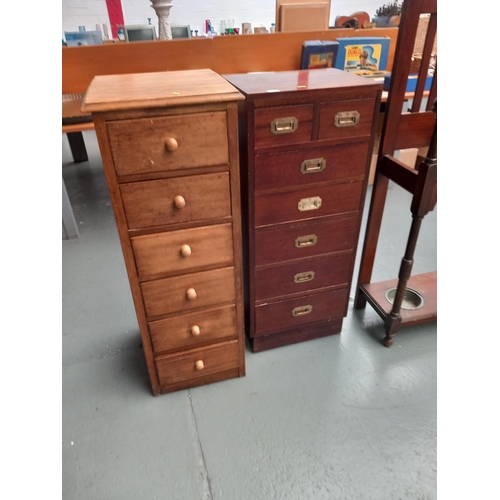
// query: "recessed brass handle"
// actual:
[[195, 330], [306, 204], [313, 166], [346, 119], [171, 144], [302, 310], [284, 125], [179, 201], [185, 250], [303, 277], [199, 365], [191, 293], [306, 241]]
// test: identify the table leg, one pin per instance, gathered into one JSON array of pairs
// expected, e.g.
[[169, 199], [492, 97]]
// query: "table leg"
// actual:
[[77, 146]]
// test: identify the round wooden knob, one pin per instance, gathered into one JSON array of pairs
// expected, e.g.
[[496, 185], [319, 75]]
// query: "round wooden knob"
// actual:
[[191, 293], [179, 202], [195, 330], [185, 250], [199, 365], [171, 144]]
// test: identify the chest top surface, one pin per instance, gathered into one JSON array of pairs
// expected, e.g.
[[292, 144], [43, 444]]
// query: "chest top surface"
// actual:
[[148, 90], [254, 85]]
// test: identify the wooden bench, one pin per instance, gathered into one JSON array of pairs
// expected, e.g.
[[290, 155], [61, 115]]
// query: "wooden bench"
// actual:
[[222, 54], [74, 122]]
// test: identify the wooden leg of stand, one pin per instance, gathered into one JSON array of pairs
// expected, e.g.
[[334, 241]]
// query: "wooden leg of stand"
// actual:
[[373, 224], [393, 319]]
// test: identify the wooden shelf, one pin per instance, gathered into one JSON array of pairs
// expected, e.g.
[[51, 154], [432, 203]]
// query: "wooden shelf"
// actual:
[[424, 284]]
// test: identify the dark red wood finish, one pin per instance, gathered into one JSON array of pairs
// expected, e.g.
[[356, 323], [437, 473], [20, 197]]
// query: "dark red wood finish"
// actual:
[[283, 240], [278, 316], [278, 171], [277, 244], [284, 207], [415, 129], [304, 275]]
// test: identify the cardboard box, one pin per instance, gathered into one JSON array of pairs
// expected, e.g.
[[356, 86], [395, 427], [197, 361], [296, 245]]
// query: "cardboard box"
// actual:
[[319, 54], [352, 52]]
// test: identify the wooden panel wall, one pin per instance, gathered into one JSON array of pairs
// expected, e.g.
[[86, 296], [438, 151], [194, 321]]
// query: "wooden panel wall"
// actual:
[[223, 54]]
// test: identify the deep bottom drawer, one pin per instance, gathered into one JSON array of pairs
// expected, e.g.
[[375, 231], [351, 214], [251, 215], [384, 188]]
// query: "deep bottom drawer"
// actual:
[[290, 313], [295, 335], [196, 363]]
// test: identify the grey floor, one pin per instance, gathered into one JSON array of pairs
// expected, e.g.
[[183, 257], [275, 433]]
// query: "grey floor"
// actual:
[[335, 418]]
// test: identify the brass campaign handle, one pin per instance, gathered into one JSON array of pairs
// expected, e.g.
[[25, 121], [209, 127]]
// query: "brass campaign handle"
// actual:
[[346, 119], [302, 310], [306, 204], [284, 125], [303, 277], [313, 166], [306, 241]]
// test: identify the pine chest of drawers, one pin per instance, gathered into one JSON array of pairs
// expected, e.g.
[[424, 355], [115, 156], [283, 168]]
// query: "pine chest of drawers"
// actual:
[[170, 152], [306, 139]]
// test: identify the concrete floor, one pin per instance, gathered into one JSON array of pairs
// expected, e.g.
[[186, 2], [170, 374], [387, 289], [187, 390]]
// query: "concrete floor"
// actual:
[[335, 418]]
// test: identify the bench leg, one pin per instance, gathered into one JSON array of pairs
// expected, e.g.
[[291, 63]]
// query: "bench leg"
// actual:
[[77, 146], [69, 226]]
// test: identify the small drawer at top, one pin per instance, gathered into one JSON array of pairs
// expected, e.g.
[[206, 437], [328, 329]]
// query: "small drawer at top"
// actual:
[[346, 119], [283, 125], [169, 142], [181, 199]]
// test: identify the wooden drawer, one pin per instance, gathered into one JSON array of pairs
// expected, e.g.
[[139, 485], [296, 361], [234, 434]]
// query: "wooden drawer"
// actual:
[[183, 250], [310, 166], [292, 313], [181, 199], [291, 241], [175, 368], [307, 203], [171, 295], [188, 330], [332, 113], [139, 146], [302, 275], [293, 125]]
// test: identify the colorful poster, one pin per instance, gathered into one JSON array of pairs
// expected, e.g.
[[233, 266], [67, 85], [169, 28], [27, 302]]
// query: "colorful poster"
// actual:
[[362, 57], [320, 60]]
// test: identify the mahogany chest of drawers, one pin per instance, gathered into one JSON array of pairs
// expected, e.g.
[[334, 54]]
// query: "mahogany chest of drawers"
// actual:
[[169, 146], [306, 140]]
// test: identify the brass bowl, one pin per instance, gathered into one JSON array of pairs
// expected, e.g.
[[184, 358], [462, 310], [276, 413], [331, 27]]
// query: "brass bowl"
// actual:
[[411, 299]]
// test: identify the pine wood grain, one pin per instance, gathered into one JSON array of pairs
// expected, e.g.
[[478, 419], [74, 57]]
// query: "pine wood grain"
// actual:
[[139, 146], [176, 332], [161, 252], [139, 90], [168, 296], [152, 203]]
